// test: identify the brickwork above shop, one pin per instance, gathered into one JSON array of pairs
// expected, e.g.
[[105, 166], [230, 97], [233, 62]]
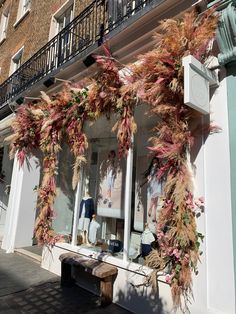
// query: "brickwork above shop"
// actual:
[[32, 31]]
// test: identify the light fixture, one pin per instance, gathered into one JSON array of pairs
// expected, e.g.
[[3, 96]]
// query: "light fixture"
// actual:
[[52, 80], [89, 60], [21, 99]]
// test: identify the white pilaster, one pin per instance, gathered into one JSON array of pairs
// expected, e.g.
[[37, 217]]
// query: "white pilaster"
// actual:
[[21, 207]]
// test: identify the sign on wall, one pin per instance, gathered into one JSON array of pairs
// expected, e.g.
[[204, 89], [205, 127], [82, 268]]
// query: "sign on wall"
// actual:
[[197, 82]]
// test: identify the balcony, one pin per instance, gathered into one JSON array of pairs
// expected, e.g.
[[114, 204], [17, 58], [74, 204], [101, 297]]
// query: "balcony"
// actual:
[[102, 19]]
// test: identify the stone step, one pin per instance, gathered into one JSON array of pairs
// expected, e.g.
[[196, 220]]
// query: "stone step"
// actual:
[[37, 258]]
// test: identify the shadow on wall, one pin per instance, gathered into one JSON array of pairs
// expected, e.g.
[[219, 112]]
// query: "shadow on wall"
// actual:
[[140, 301]]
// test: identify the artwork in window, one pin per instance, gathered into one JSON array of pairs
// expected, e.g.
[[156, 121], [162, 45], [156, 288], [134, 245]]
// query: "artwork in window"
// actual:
[[148, 194], [140, 194], [154, 190], [111, 185]]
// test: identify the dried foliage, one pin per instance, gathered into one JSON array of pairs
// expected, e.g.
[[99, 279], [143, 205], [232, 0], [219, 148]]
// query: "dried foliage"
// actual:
[[160, 74], [158, 81]]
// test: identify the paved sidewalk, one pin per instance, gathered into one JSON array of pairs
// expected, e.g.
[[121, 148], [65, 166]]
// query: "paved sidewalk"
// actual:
[[26, 288], [19, 273]]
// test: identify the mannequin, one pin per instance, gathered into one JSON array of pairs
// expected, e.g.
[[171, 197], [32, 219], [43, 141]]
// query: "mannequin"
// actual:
[[93, 227], [147, 238], [85, 215]]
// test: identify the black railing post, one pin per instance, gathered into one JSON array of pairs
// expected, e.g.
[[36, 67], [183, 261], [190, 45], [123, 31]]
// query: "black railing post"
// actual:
[[58, 55]]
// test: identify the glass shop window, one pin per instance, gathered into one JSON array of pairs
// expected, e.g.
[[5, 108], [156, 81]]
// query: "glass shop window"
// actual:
[[101, 210], [65, 199], [148, 190]]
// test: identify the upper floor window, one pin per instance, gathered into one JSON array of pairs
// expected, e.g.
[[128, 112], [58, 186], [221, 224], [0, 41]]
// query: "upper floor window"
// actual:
[[23, 9], [65, 18], [16, 61], [62, 18], [4, 24]]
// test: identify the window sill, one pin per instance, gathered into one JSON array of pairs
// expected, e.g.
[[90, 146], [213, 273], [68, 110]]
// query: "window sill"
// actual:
[[129, 265], [21, 18]]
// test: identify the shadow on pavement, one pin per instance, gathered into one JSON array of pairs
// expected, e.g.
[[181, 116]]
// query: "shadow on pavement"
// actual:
[[51, 298]]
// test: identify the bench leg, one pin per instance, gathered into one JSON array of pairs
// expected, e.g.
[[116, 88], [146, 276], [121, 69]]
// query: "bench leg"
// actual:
[[66, 278], [106, 287]]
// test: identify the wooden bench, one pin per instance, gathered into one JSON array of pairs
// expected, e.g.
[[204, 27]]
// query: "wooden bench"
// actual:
[[105, 272]]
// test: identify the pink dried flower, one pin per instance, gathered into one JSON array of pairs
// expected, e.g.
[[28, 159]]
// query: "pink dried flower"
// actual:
[[197, 203], [168, 279], [21, 157], [201, 199], [102, 94], [176, 253]]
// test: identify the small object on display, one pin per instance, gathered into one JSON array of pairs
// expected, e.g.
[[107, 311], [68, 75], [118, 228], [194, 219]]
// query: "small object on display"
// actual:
[[115, 246], [147, 238]]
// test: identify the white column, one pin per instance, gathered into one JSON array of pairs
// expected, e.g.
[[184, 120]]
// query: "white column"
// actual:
[[127, 207], [20, 217]]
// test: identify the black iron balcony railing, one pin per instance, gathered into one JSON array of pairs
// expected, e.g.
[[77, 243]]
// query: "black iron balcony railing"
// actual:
[[98, 19]]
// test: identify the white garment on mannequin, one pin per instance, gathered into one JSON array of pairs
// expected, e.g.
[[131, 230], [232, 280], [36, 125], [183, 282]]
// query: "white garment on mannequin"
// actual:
[[84, 224], [147, 237], [94, 226], [83, 212]]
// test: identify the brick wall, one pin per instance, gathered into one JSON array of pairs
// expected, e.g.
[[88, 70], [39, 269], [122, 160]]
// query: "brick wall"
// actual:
[[32, 32]]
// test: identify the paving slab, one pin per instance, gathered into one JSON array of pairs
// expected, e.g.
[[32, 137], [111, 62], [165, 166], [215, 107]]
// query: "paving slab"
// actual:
[[19, 273], [51, 298], [26, 288]]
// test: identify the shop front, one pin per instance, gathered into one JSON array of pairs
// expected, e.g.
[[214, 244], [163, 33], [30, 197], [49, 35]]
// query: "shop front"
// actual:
[[112, 216], [152, 188]]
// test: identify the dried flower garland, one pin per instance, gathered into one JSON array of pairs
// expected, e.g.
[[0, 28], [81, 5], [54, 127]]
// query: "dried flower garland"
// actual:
[[161, 86], [158, 81]]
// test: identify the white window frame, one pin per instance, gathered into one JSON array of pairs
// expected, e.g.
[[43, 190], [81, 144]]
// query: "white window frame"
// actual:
[[54, 20], [23, 10], [17, 56], [4, 24]]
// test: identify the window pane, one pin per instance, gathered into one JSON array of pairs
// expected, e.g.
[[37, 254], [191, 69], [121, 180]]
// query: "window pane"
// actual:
[[65, 199], [104, 182], [65, 18], [148, 190], [26, 5]]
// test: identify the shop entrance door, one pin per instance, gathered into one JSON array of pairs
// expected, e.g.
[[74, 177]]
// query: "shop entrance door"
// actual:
[[6, 166]]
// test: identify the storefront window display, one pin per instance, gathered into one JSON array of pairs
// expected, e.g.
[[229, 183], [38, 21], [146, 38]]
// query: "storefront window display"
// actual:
[[103, 220], [100, 213]]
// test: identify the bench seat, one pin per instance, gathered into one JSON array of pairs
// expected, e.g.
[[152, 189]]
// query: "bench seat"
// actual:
[[105, 272]]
